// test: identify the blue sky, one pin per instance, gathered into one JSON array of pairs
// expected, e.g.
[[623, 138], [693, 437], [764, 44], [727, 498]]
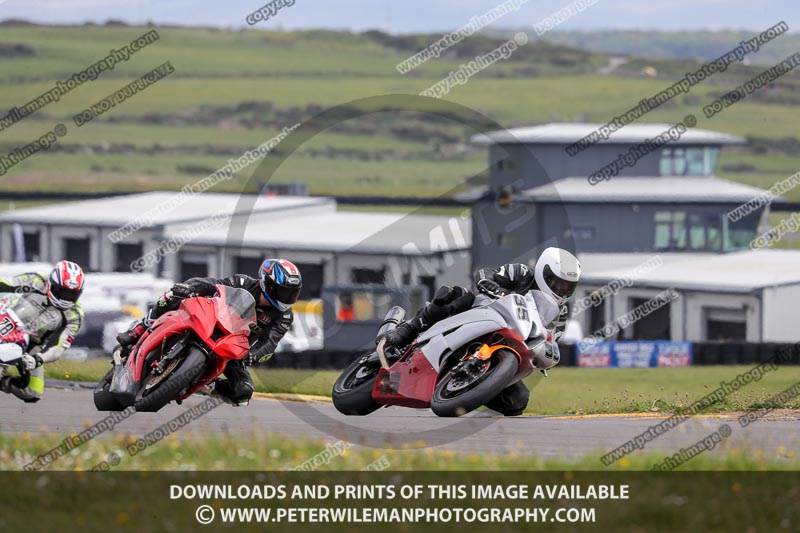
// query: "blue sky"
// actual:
[[408, 16]]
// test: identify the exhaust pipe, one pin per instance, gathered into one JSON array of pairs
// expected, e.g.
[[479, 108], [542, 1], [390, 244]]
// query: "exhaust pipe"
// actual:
[[395, 315]]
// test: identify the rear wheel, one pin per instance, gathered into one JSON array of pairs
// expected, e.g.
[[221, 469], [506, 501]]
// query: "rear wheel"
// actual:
[[473, 382], [103, 399], [157, 390], [352, 392]]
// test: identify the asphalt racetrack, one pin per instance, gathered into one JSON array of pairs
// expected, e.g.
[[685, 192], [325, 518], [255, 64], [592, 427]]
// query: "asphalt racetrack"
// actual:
[[70, 410]]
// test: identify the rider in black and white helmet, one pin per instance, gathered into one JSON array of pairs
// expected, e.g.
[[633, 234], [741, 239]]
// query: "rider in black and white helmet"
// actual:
[[556, 272]]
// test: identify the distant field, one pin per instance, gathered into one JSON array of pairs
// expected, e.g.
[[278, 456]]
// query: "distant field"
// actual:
[[567, 390], [233, 90]]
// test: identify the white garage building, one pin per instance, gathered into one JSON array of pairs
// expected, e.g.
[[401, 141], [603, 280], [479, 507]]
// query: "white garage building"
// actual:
[[741, 296], [331, 247]]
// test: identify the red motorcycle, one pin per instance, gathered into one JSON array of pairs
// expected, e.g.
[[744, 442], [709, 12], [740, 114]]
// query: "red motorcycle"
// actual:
[[184, 351]]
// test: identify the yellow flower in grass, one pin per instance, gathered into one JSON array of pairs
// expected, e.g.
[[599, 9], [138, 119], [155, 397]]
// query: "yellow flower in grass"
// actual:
[[122, 518], [624, 462]]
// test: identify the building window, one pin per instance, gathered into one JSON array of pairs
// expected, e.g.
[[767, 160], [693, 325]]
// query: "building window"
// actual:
[[368, 275], [192, 266], [313, 275], [78, 251], [127, 253], [653, 327], [597, 317], [725, 324], [741, 232], [670, 230], [362, 306], [705, 232], [693, 161], [30, 246], [677, 230]]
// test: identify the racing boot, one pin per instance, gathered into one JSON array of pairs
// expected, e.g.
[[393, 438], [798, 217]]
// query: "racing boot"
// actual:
[[238, 388], [407, 331], [128, 338]]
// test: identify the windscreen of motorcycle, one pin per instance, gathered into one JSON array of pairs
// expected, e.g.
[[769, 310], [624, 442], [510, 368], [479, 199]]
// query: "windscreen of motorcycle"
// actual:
[[546, 306], [236, 309]]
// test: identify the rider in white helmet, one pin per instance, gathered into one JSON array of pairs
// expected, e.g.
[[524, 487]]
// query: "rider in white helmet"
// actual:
[[556, 272]]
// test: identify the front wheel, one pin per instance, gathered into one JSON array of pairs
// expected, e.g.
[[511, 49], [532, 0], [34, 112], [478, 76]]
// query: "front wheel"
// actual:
[[352, 392], [157, 390], [472, 383]]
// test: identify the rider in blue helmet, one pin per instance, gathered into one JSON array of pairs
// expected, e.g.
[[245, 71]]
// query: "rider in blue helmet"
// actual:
[[275, 289]]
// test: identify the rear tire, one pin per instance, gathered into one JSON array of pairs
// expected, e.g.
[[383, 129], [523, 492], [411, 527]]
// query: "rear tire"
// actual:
[[352, 394], [103, 399], [503, 366], [182, 377]]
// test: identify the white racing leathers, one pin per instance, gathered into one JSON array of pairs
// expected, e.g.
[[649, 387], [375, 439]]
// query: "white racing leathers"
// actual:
[[51, 330]]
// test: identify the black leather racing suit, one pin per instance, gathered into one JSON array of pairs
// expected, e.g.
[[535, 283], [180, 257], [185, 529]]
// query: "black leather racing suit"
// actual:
[[272, 324]]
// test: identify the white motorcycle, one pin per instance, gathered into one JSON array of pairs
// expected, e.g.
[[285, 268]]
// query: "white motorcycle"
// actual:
[[457, 365]]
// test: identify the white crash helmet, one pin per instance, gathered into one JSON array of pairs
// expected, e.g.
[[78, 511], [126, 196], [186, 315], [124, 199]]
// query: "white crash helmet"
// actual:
[[557, 273]]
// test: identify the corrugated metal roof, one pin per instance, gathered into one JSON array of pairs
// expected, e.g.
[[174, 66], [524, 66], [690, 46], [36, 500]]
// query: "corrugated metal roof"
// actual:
[[568, 133], [701, 189], [120, 210], [735, 272], [355, 232]]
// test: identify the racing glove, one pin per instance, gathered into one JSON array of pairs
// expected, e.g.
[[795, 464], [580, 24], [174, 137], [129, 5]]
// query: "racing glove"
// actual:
[[31, 361], [491, 288], [182, 290], [252, 359]]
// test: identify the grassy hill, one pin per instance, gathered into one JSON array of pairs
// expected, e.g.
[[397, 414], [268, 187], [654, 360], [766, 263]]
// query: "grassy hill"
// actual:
[[696, 44], [233, 90]]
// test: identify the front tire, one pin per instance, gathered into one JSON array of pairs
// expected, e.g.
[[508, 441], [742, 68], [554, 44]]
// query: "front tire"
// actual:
[[456, 396], [352, 392], [103, 399], [183, 376]]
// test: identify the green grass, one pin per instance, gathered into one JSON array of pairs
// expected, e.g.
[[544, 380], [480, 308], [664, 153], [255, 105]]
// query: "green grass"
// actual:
[[186, 450], [298, 74], [567, 390]]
